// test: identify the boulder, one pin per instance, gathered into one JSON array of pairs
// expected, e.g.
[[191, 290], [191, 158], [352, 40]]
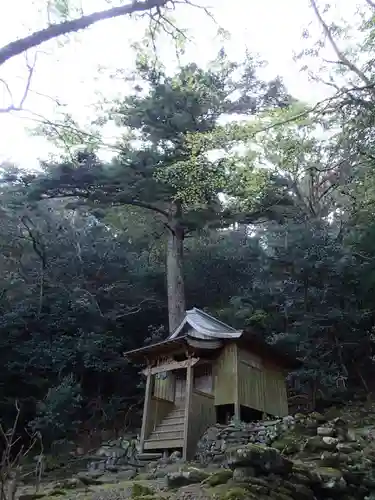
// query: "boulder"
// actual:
[[262, 458], [243, 474]]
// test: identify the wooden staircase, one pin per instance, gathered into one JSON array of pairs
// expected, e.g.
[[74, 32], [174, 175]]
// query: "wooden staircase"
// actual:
[[169, 434]]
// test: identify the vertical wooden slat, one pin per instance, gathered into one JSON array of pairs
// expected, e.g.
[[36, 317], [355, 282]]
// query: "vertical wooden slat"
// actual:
[[201, 416], [164, 387], [224, 380], [188, 402], [146, 409]]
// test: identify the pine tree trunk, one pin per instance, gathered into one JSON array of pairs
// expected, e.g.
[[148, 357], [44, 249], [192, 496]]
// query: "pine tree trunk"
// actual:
[[175, 276]]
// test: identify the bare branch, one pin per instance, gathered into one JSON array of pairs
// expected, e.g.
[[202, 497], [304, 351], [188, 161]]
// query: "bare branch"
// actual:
[[7, 88], [17, 47], [19, 107], [31, 68], [341, 56]]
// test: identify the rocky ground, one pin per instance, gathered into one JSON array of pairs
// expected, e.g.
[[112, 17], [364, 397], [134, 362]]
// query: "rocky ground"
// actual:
[[301, 457]]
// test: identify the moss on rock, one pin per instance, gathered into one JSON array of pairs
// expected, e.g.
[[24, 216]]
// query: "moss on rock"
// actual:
[[221, 476], [140, 491], [235, 493], [287, 445], [262, 458]]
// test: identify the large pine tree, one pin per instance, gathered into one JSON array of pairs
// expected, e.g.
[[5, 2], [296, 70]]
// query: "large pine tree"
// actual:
[[163, 165]]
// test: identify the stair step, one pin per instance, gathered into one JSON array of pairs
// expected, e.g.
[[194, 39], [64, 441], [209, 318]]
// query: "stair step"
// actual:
[[166, 431], [173, 418], [169, 425], [158, 444], [176, 413], [163, 435], [163, 432], [149, 456]]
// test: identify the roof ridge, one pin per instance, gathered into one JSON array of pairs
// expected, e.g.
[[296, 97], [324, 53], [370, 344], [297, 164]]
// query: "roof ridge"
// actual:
[[196, 309]]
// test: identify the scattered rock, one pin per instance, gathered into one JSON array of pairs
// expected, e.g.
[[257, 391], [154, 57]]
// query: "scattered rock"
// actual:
[[330, 441], [236, 493], [319, 443], [176, 456], [331, 479], [88, 479], [326, 431], [287, 445], [183, 478], [31, 496], [126, 475]]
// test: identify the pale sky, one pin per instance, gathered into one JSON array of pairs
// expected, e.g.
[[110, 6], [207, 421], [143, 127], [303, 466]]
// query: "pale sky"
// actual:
[[271, 28]]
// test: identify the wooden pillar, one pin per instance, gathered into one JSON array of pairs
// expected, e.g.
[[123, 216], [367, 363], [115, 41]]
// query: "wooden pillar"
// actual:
[[146, 409], [237, 408], [188, 401]]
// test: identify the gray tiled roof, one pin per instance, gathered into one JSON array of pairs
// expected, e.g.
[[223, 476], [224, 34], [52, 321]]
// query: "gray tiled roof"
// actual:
[[200, 325]]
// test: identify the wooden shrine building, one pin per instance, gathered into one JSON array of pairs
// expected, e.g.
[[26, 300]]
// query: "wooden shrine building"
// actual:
[[204, 373]]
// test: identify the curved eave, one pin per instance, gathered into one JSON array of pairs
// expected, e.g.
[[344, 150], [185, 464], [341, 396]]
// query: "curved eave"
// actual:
[[206, 334], [209, 345]]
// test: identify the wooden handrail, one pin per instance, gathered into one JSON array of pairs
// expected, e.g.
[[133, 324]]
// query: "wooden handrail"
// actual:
[[204, 394], [155, 398]]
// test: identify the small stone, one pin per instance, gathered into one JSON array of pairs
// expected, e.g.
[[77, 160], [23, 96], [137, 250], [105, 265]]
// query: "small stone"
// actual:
[[351, 435], [329, 459], [300, 491], [315, 415], [344, 447], [331, 479], [88, 479], [126, 475], [219, 458], [31, 496], [175, 456], [325, 431], [330, 441], [287, 445]]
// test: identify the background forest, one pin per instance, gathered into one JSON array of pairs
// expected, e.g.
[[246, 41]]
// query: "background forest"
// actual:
[[223, 192]]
